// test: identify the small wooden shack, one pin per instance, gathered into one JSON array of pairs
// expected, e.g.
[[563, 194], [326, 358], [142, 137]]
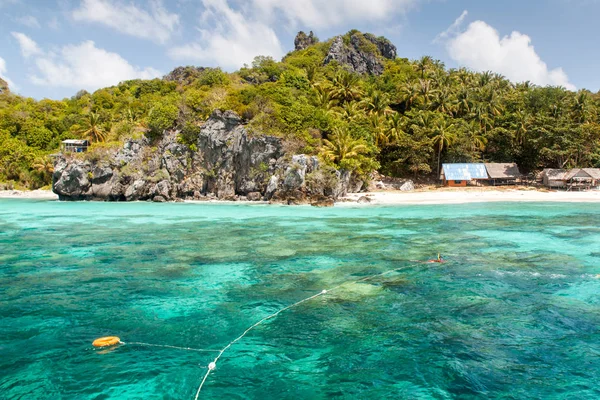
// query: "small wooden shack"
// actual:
[[74, 146], [503, 173], [554, 178], [579, 179], [459, 175], [595, 174]]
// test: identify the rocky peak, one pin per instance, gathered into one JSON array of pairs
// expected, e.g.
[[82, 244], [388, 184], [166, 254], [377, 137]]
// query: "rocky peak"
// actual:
[[184, 75], [361, 53], [3, 86], [303, 40], [385, 47]]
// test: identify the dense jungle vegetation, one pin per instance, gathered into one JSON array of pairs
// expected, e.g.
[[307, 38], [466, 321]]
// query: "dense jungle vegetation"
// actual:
[[402, 123]]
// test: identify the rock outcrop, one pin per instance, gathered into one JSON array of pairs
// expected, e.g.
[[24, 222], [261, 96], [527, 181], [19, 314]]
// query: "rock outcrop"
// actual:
[[302, 40], [3, 86], [184, 75], [385, 47], [226, 162], [362, 54]]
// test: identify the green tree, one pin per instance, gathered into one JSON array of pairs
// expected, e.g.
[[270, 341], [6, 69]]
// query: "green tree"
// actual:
[[443, 136], [341, 147], [93, 130]]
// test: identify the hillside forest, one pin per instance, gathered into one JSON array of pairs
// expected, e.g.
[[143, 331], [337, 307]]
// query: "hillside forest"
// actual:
[[403, 121]]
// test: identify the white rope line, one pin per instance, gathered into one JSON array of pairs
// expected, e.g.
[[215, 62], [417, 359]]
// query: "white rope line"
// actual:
[[213, 364], [170, 347]]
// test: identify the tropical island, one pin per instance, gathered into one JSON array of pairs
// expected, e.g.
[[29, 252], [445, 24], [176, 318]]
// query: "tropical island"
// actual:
[[162, 297], [311, 127]]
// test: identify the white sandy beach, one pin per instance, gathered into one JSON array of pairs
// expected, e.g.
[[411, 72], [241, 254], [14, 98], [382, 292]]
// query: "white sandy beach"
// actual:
[[440, 196], [28, 194], [474, 196]]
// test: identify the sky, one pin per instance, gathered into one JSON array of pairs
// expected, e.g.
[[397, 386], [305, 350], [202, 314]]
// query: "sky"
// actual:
[[54, 48]]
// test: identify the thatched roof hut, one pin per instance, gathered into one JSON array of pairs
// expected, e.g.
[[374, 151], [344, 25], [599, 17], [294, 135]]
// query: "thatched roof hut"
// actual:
[[503, 172], [585, 178], [554, 177], [594, 173]]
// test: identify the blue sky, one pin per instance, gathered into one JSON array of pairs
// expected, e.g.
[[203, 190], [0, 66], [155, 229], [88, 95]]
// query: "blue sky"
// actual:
[[53, 48]]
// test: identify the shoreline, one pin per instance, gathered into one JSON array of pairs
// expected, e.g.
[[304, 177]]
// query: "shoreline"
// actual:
[[391, 198], [38, 194], [464, 196]]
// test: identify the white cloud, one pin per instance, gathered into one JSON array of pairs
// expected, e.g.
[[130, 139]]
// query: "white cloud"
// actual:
[[3, 71], [234, 40], [329, 13], [28, 46], [452, 30], [29, 21], [82, 66], [481, 48], [157, 24]]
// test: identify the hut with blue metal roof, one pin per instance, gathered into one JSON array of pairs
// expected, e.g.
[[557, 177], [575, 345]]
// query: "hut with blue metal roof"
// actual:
[[459, 175]]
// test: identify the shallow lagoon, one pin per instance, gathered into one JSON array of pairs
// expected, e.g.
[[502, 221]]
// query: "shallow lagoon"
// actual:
[[514, 313]]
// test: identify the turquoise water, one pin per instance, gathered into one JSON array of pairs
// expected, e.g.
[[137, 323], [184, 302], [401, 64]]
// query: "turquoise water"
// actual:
[[513, 314]]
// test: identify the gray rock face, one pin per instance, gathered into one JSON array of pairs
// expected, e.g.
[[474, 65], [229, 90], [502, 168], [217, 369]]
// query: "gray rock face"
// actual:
[[302, 40], [71, 181], [184, 75], [363, 55], [385, 47], [272, 187], [229, 163], [236, 162], [295, 174], [4, 86]]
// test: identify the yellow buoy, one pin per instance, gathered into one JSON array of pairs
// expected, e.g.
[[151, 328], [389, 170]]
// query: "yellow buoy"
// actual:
[[106, 341]]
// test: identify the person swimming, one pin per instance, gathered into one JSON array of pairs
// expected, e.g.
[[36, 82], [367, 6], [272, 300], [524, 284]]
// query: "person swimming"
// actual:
[[439, 259]]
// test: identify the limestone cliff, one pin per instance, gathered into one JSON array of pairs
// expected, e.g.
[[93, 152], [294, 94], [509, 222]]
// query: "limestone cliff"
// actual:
[[225, 163], [302, 40], [361, 53]]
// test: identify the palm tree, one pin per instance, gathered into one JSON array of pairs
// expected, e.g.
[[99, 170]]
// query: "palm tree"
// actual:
[[476, 138], [45, 167], [485, 78], [349, 111], [464, 77], [94, 131], [444, 135], [423, 65], [444, 102], [425, 90], [463, 102], [377, 103], [324, 98], [408, 94], [342, 146], [581, 106], [523, 120], [346, 87], [312, 74], [378, 129], [394, 127]]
